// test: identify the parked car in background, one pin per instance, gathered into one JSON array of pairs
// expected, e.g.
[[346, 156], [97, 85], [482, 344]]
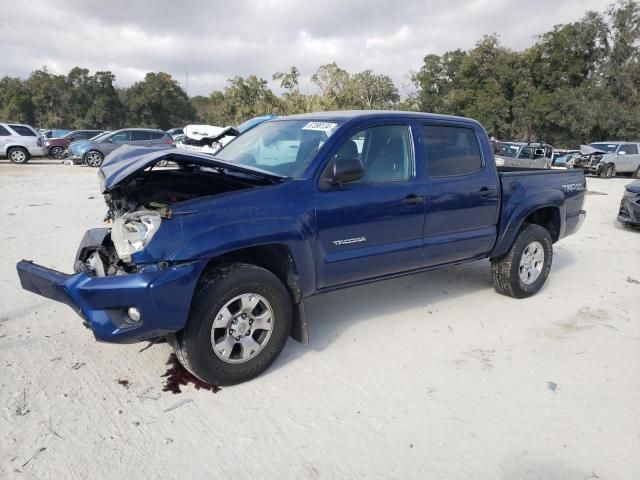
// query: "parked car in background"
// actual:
[[174, 132], [19, 142], [567, 159], [55, 133], [606, 159], [210, 139], [56, 147], [629, 213], [93, 151], [524, 155], [559, 153]]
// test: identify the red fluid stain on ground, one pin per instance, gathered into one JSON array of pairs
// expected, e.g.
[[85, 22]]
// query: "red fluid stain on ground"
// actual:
[[178, 376]]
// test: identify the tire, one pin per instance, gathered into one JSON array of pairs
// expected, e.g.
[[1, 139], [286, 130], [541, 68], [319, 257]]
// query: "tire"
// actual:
[[608, 171], [93, 158], [57, 153], [506, 270], [18, 155], [226, 289], [636, 174]]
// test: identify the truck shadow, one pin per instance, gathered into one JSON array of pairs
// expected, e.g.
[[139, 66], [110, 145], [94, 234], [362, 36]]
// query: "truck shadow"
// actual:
[[332, 314]]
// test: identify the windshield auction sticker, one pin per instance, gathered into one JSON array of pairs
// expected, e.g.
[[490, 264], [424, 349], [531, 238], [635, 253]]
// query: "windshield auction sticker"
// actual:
[[320, 126]]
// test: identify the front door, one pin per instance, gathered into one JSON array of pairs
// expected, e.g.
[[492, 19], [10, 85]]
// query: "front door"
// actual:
[[463, 194], [372, 227], [628, 161]]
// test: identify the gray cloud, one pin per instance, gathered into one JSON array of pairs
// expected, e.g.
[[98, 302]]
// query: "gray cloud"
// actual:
[[214, 41]]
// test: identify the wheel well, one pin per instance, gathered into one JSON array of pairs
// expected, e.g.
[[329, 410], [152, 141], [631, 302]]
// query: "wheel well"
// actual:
[[547, 217], [278, 260]]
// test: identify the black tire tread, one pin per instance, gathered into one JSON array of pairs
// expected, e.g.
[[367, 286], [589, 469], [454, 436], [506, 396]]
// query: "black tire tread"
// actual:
[[502, 267], [12, 149], [209, 279]]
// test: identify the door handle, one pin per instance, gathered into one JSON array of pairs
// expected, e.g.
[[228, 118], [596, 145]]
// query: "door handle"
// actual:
[[485, 191], [412, 199]]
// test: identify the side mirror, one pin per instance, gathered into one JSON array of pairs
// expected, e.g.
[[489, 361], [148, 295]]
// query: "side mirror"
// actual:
[[622, 153], [346, 169], [539, 152]]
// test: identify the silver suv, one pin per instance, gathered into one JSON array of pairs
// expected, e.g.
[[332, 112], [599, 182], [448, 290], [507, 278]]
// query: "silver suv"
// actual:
[[20, 142], [608, 158]]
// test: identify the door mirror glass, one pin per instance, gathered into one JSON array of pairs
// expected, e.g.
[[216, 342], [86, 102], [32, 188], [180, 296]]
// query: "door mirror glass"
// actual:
[[539, 152], [622, 152]]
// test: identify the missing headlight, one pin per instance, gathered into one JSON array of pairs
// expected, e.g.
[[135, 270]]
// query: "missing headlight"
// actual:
[[133, 231]]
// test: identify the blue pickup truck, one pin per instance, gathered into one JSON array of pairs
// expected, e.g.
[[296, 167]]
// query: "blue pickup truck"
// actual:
[[218, 254]]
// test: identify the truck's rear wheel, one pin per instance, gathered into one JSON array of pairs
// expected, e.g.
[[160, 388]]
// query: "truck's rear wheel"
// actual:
[[239, 322], [524, 269]]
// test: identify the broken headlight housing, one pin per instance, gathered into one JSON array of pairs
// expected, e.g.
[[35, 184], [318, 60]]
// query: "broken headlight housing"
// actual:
[[130, 233]]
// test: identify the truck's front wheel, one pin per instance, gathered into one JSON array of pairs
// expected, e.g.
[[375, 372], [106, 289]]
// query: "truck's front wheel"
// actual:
[[239, 322], [524, 269]]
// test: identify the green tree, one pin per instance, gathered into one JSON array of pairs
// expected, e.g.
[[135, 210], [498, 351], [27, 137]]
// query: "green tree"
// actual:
[[293, 101], [157, 102], [15, 101], [373, 92]]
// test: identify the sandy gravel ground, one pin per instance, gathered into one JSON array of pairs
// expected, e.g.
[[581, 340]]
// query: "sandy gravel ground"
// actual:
[[430, 376]]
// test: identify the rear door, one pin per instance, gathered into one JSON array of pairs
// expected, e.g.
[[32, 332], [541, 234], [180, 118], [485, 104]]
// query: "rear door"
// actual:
[[373, 226], [26, 136], [463, 193], [140, 137], [628, 161]]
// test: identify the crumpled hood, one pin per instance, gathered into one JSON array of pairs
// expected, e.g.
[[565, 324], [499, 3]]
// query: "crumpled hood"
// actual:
[[588, 149], [127, 160], [633, 187]]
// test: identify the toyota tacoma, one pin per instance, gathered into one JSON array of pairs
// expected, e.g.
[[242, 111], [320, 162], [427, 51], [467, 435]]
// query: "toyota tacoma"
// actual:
[[218, 253]]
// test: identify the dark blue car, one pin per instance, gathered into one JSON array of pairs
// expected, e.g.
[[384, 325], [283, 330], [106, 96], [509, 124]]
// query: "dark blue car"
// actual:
[[219, 253]]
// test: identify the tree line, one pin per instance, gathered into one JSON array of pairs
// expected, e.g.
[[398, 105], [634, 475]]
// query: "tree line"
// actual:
[[579, 82]]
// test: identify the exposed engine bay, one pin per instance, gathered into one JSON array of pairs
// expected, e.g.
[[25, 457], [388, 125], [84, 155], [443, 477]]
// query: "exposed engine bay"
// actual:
[[158, 189], [138, 206]]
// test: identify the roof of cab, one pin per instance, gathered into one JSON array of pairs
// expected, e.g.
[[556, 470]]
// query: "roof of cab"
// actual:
[[345, 115]]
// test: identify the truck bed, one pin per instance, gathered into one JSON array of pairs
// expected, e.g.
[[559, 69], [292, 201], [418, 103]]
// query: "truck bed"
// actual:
[[526, 189]]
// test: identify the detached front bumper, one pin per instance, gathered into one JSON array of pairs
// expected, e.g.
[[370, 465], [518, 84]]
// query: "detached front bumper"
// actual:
[[162, 296]]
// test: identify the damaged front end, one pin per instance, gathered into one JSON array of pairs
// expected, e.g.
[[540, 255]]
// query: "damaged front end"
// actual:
[[123, 295]]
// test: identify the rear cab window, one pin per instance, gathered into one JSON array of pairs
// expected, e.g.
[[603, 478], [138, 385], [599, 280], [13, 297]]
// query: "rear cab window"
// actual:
[[451, 150]]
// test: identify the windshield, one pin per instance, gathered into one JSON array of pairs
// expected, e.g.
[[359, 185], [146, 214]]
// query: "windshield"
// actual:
[[508, 150], [283, 147], [605, 147]]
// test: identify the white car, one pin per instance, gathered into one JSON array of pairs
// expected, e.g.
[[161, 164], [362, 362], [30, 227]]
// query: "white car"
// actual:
[[206, 138], [20, 142]]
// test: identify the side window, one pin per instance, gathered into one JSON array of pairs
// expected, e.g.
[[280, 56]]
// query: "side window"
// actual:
[[451, 151], [120, 137], [630, 149], [156, 135], [526, 152], [385, 152], [139, 135], [23, 131], [4, 132]]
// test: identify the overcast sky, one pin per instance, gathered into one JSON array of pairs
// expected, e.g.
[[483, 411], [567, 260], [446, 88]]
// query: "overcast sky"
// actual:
[[214, 41]]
